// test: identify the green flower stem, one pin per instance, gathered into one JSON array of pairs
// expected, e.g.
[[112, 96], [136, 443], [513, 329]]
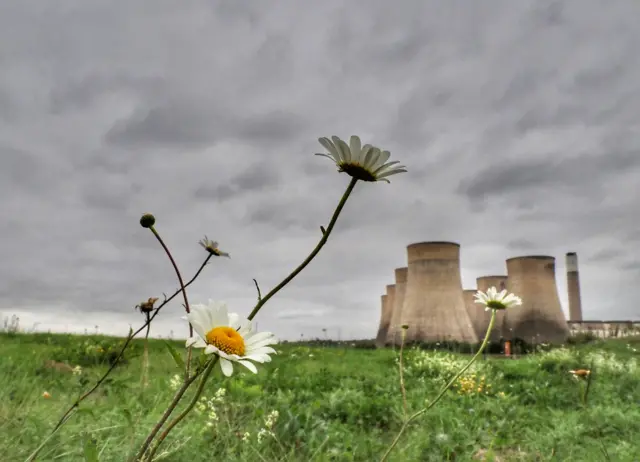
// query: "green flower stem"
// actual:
[[323, 241], [184, 294], [65, 417], [444, 389], [187, 410], [402, 387], [145, 357], [167, 413]]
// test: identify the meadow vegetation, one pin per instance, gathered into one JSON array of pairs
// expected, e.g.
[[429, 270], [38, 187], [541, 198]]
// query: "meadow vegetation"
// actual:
[[324, 402]]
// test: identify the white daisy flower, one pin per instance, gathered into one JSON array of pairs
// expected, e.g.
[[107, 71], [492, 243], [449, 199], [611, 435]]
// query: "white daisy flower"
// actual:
[[366, 163], [497, 301], [212, 247], [233, 339]]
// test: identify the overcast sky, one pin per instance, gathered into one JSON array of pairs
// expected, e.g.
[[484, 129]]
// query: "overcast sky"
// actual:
[[518, 123]]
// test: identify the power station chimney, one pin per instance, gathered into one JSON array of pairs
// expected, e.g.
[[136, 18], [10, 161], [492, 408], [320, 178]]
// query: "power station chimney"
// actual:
[[484, 283], [573, 287], [540, 318], [395, 326], [384, 324], [434, 306]]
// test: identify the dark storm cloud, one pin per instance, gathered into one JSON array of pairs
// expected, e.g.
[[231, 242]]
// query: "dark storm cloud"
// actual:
[[579, 175], [194, 124], [518, 125]]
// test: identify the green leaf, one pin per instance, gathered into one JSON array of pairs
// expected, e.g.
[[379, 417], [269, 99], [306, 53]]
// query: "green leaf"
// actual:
[[90, 448], [175, 355]]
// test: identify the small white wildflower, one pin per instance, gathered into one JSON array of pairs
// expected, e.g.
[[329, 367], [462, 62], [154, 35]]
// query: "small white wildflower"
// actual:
[[220, 394], [497, 301], [77, 370], [246, 436], [366, 163], [271, 419], [212, 247], [175, 382], [225, 334]]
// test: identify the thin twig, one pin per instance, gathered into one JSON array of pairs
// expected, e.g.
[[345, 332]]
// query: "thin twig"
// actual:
[[184, 295], [183, 414], [130, 337], [443, 390], [167, 413], [258, 289]]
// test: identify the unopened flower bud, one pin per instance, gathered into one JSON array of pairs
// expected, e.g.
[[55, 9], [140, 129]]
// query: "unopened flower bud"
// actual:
[[147, 220], [405, 326]]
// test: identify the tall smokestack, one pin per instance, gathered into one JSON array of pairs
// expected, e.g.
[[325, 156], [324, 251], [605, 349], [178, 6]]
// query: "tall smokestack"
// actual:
[[384, 323], [573, 287], [395, 326], [483, 283], [540, 318], [434, 306]]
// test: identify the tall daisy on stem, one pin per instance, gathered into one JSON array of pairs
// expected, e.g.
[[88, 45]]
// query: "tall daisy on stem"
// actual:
[[491, 300]]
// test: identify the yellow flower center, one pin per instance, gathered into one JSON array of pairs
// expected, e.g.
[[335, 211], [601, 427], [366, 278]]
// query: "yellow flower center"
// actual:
[[357, 171], [496, 305], [226, 339]]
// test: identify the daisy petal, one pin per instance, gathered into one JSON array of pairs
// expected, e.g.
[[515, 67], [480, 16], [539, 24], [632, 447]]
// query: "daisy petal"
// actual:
[[226, 366], [249, 366]]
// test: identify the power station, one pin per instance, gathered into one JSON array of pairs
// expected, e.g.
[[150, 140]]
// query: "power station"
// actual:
[[433, 305], [394, 333], [500, 283], [429, 298], [540, 318], [573, 287]]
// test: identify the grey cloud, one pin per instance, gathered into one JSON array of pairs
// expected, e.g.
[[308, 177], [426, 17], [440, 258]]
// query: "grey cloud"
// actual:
[[521, 244], [580, 175], [259, 176], [196, 124], [82, 92], [605, 255], [517, 125]]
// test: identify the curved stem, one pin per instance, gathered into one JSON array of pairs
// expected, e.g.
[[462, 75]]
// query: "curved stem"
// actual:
[[444, 389], [115, 362], [167, 413], [184, 294], [323, 241], [186, 411]]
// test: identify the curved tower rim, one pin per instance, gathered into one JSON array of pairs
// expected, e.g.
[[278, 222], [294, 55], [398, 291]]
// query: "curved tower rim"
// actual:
[[415, 244], [532, 257]]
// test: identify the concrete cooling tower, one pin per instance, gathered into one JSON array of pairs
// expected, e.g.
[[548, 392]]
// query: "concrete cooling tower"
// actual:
[[573, 287], [540, 318], [475, 311], [395, 326], [384, 322], [434, 306], [483, 283]]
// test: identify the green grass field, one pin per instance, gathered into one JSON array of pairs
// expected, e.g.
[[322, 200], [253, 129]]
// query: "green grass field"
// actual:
[[334, 403]]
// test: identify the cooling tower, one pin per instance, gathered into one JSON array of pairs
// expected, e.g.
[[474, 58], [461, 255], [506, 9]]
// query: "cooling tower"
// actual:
[[540, 318], [475, 311], [433, 305], [483, 283], [395, 326], [573, 287], [384, 321]]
